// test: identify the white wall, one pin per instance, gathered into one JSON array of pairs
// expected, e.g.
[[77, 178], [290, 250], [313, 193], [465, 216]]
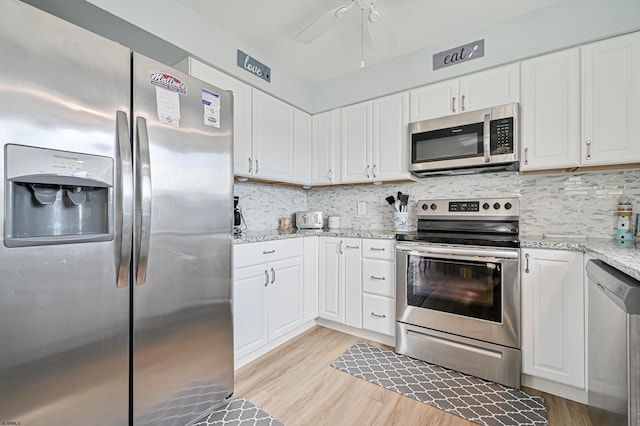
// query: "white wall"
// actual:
[[175, 23], [565, 24]]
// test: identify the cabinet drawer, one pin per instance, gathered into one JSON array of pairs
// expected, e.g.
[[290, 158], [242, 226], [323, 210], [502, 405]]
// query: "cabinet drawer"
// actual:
[[378, 314], [378, 277], [266, 251], [378, 249]]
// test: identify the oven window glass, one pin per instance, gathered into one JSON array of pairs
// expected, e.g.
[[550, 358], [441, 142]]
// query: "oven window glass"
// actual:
[[472, 289], [447, 144]]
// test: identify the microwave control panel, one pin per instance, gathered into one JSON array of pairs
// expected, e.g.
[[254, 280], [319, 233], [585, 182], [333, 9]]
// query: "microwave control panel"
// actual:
[[502, 131]]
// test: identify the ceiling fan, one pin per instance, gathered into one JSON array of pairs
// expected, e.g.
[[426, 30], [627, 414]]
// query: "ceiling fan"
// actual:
[[379, 30]]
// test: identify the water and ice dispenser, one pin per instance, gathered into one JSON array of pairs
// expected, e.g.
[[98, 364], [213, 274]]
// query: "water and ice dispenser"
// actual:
[[56, 197]]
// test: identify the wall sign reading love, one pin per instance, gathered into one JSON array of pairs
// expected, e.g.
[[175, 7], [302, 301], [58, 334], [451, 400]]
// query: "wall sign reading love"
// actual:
[[253, 66], [464, 53]]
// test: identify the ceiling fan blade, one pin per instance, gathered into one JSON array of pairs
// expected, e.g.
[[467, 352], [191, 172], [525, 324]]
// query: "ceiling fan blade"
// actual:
[[380, 32], [322, 24]]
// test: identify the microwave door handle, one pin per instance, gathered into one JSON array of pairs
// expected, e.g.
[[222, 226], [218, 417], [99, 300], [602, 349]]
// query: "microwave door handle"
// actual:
[[486, 138]]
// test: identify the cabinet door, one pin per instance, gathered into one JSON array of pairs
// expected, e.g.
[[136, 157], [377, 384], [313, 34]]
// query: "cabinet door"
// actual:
[[355, 141], [243, 160], [310, 308], [549, 109], [326, 135], [497, 86], [249, 309], [390, 140], [272, 138], [553, 316], [285, 296], [611, 101], [434, 100], [331, 279], [302, 147], [353, 282]]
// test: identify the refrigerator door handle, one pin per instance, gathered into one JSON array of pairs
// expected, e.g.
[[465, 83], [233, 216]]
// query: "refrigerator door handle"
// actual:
[[124, 209], [143, 200]]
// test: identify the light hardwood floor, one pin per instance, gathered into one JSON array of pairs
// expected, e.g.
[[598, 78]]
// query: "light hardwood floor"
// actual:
[[296, 384]]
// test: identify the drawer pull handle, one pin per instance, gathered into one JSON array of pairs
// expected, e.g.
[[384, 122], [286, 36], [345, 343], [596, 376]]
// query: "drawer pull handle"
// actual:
[[373, 277], [353, 247], [373, 314], [378, 249], [269, 252], [526, 263]]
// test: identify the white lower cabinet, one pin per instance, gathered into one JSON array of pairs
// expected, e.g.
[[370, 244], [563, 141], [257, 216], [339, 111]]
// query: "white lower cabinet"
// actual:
[[268, 295], [340, 280], [553, 331], [378, 286]]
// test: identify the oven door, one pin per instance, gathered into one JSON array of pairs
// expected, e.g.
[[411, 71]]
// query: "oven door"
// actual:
[[467, 291]]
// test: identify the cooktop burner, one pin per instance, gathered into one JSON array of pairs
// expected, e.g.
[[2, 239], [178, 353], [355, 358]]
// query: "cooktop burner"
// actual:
[[492, 222]]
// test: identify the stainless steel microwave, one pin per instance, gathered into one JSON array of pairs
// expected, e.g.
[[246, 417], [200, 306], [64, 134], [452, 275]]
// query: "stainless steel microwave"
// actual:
[[475, 141]]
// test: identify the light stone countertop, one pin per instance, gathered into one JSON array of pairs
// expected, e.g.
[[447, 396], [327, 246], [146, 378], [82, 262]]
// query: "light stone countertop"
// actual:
[[624, 256], [270, 235]]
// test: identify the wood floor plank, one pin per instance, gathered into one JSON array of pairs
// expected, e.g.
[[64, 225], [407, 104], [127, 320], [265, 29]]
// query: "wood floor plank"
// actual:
[[296, 384]]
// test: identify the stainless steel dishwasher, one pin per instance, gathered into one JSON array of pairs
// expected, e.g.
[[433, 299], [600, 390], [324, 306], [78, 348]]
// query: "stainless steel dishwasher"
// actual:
[[614, 346]]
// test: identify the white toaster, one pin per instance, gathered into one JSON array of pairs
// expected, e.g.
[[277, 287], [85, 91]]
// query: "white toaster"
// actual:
[[309, 220]]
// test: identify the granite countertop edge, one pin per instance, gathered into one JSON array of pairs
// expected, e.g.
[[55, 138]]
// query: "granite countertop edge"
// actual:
[[624, 256]]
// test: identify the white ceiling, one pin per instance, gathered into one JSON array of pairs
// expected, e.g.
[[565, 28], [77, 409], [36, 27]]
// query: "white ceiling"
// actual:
[[269, 27]]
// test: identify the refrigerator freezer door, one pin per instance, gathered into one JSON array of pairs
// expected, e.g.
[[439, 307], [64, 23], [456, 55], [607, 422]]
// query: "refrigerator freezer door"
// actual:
[[182, 328], [64, 323]]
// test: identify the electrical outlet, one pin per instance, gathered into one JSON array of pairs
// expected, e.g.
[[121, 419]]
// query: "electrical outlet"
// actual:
[[362, 208]]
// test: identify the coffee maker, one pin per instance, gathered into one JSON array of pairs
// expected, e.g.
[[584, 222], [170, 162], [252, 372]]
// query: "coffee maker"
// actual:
[[237, 216]]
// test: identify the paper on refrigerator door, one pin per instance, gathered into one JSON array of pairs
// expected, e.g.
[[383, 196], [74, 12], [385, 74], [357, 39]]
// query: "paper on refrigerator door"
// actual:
[[168, 104], [168, 89], [211, 105]]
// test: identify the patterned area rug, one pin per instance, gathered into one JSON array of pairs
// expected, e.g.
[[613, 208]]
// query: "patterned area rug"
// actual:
[[473, 399], [239, 412]]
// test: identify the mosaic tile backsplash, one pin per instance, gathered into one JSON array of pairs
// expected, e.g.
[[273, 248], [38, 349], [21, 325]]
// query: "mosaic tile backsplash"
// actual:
[[579, 202]]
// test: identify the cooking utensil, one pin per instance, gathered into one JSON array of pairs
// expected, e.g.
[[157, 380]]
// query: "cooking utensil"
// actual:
[[404, 199]]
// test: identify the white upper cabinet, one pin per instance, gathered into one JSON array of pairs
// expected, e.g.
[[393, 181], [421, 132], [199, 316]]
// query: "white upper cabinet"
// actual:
[[611, 101], [374, 140], [325, 162], [434, 100], [356, 142], [302, 135], [550, 111], [485, 89], [390, 146], [242, 100], [273, 141]]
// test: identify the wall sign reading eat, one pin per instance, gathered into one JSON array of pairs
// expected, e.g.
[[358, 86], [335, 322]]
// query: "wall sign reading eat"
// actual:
[[464, 53], [253, 66]]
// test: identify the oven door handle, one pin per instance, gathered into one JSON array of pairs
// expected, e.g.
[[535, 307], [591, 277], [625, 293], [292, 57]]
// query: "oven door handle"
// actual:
[[460, 253]]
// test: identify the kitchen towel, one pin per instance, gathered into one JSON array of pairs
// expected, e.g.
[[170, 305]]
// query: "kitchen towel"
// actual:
[[469, 397]]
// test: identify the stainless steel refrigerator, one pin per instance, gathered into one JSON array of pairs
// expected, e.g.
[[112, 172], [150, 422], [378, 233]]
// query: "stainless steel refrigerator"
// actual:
[[115, 266]]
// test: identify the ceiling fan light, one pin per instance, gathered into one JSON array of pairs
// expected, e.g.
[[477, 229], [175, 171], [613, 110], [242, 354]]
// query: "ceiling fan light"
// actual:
[[374, 16]]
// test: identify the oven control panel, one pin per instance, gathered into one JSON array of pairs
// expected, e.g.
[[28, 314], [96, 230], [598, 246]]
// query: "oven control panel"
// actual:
[[481, 207]]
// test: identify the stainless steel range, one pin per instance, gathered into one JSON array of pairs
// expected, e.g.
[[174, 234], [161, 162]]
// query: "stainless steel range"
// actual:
[[458, 288]]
